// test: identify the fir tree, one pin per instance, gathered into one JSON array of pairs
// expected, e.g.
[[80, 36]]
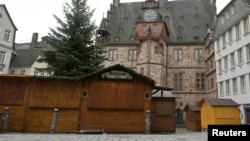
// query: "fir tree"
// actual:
[[75, 53]]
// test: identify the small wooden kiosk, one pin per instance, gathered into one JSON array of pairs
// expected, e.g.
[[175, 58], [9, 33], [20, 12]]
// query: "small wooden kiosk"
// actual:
[[163, 111], [219, 111], [193, 117]]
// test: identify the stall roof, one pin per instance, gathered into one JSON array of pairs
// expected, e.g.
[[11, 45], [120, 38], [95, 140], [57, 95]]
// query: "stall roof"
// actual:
[[114, 67], [192, 107], [219, 102]]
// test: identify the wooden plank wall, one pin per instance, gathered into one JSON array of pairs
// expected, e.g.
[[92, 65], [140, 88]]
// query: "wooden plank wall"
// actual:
[[44, 96], [163, 115], [39, 120], [123, 114], [12, 95], [54, 93]]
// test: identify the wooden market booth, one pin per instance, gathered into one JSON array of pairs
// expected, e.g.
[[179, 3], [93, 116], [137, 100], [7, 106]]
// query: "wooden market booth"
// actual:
[[193, 117], [219, 111], [163, 117]]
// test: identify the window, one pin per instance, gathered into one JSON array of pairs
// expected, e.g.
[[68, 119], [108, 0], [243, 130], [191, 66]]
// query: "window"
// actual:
[[198, 54], [179, 38], [142, 71], [196, 28], [22, 72], [180, 28], [246, 25], [113, 55], [157, 50], [132, 55], [144, 28], [235, 88], [212, 83], [243, 84], [196, 38], [178, 81], [211, 64], [228, 88], [181, 17], [154, 28], [196, 17], [178, 55], [12, 71], [221, 89], [200, 81], [218, 45], [240, 55], [225, 63], [237, 30], [248, 53], [7, 35], [2, 57], [219, 66], [224, 41], [232, 61], [230, 36]]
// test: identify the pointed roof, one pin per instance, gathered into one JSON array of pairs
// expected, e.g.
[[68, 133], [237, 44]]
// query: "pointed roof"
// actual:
[[2, 5]]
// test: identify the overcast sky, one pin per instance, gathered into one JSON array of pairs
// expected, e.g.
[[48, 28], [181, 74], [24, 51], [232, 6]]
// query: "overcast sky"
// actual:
[[31, 16]]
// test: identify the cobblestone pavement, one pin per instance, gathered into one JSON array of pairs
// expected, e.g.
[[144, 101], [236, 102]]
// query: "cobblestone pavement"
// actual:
[[183, 136]]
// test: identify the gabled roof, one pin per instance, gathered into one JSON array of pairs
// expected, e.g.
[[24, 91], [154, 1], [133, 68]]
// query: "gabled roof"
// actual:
[[2, 5], [219, 102], [192, 107]]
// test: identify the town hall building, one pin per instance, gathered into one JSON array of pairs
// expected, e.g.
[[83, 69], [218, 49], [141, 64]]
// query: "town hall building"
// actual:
[[164, 40]]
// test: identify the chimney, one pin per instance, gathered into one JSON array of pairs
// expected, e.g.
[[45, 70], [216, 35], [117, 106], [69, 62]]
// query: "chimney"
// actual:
[[34, 40], [116, 3]]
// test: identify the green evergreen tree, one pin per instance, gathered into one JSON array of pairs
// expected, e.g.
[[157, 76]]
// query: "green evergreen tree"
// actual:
[[75, 53]]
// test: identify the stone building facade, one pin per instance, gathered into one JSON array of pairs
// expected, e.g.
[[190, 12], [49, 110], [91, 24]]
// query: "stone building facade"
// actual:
[[163, 40]]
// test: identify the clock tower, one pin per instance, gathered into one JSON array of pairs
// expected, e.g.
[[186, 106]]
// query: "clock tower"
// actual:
[[151, 37]]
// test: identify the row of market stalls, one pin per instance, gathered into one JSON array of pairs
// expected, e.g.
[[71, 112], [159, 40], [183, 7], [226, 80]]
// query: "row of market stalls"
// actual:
[[115, 99]]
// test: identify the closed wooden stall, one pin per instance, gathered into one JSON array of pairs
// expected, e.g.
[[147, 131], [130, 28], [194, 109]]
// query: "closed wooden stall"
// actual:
[[193, 117], [115, 100], [13, 96], [163, 113], [47, 94], [219, 111]]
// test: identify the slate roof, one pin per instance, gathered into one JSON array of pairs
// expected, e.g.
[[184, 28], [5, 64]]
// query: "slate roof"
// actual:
[[170, 11], [25, 57], [219, 102], [241, 11]]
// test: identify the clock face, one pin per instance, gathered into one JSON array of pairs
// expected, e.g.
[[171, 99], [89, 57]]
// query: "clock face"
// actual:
[[150, 15]]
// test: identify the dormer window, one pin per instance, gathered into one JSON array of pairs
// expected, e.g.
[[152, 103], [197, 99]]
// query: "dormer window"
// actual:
[[120, 29], [132, 38], [117, 38], [196, 38], [179, 38], [196, 28], [125, 19], [196, 17], [180, 28]]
